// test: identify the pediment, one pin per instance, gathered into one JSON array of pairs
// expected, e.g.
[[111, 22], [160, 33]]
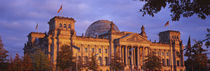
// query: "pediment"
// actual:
[[133, 38]]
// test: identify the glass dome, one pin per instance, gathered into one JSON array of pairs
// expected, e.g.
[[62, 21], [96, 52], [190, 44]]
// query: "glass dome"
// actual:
[[99, 27]]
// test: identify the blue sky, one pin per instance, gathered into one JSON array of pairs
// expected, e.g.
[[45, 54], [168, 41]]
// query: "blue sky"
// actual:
[[19, 17]]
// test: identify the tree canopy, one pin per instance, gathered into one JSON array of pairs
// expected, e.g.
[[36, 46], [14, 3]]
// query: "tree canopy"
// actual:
[[197, 56], [3, 57], [93, 63], [65, 58], [16, 64], [116, 63], [27, 63], [152, 62], [178, 8], [40, 61]]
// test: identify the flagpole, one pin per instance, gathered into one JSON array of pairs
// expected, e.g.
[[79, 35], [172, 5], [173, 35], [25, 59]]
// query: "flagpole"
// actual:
[[62, 7], [36, 28], [60, 10]]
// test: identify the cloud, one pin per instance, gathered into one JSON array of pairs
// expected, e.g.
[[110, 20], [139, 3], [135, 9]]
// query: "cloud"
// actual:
[[19, 17]]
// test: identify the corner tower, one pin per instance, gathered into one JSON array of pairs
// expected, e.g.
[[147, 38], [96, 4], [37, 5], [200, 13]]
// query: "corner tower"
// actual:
[[143, 33], [169, 36], [61, 23], [61, 31]]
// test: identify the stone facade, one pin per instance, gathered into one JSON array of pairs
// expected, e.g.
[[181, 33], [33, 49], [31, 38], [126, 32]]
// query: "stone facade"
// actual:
[[62, 32]]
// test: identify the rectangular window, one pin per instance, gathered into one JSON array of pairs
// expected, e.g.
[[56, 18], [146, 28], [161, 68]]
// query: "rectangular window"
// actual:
[[69, 26], [154, 53], [99, 50], [60, 25], [92, 49], [106, 51], [101, 63], [163, 53], [86, 59], [159, 53], [106, 61], [64, 25], [163, 62], [168, 62], [79, 50], [85, 49], [167, 53], [177, 63]]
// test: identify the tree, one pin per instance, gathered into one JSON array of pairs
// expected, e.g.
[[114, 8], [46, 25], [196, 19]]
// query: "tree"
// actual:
[[116, 63], [178, 8], [16, 64], [11, 65], [93, 63], [65, 58], [152, 62], [27, 63], [3, 57], [40, 61], [197, 58], [80, 64]]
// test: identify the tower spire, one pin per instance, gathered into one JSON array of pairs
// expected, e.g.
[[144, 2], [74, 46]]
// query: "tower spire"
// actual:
[[142, 28], [189, 43], [143, 32], [112, 27]]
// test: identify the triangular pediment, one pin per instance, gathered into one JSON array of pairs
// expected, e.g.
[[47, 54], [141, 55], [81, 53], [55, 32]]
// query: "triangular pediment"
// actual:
[[134, 37]]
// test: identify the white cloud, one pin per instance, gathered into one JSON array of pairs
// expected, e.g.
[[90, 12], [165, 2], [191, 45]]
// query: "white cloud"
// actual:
[[19, 17]]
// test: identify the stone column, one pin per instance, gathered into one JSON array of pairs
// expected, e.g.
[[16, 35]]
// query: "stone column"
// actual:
[[133, 55], [137, 56], [128, 60], [126, 55], [49, 49], [140, 52], [122, 54], [120, 49], [143, 53], [165, 59]]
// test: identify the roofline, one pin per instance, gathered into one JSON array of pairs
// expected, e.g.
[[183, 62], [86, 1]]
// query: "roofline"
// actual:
[[62, 17], [170, 31]]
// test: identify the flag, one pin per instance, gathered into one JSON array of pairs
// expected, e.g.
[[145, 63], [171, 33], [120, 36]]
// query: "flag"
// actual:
[[60, 9], [36, 27], [167, 23]]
